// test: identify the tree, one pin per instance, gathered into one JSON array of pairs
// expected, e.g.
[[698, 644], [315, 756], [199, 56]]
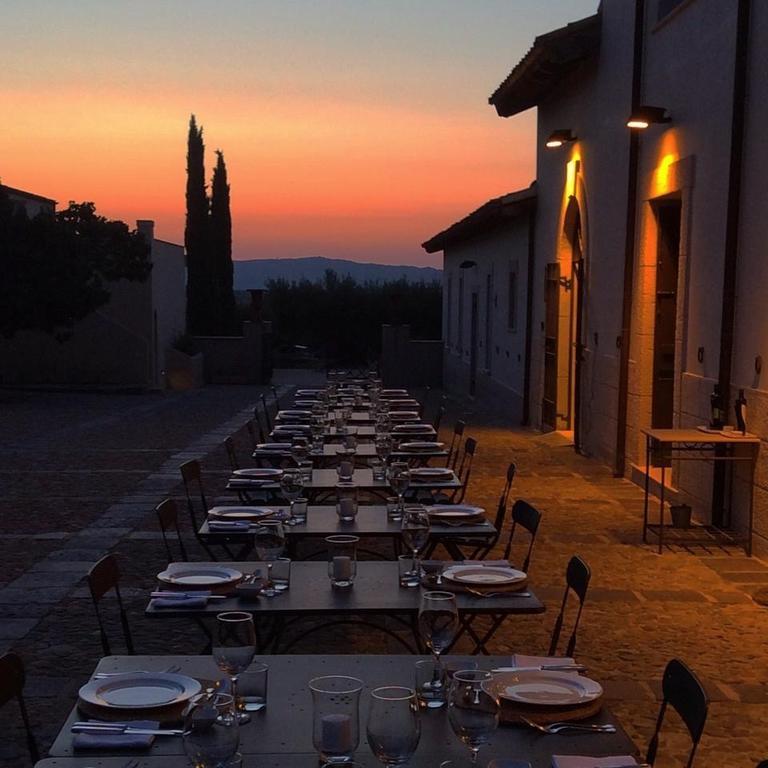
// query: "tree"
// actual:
[[221, 250], [57, 269], [200, 292]]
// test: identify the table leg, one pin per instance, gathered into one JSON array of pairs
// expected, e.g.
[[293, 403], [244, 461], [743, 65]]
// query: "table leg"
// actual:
[[647, 487], [661, 508], [752, 466]]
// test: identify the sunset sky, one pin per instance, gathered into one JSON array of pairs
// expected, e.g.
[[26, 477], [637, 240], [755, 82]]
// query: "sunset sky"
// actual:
[[351, 128]]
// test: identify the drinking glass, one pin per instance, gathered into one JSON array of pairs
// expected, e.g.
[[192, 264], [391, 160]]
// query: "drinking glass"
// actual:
[[383, 447], [211, 732], [234, 648], [292, 484], [399, 479], [281, 574], [346, 469], [336, 717], [394, 727], [253, 686], [346, 502], [269, 543], [430, 683], [438, 625], [407, 577], [415, 532], [299, 449], [300, 506], [342, 560], [472, 712]]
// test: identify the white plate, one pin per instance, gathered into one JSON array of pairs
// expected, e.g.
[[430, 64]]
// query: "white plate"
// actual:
[[543, 688], [295, 412], [200, 575], [403, 415], [484, 575], [258, 473], [240, 513], [432, 472], [136, 690], [421, 445], [455, 511], [415, 429], [281, 447]]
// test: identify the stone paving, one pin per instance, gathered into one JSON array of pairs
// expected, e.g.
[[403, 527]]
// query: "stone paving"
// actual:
[[642, 608]]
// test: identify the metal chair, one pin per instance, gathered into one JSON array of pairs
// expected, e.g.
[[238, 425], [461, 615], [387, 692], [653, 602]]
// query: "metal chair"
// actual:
[[577, 576], [168, 516], [464, 472], [682, 691], [193, 485], [12, 679], [453, 449], [267, 419], [103, 577], [438, 418], [277, 399], [527, 517], [229, 447]]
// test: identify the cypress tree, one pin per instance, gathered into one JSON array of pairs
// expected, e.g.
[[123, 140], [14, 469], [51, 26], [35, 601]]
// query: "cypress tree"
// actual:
[[199, 284], [221, 250]]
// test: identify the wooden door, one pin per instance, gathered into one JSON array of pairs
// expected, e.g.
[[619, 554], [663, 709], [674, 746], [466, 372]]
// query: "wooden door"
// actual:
[[473, 346], [551, 314]]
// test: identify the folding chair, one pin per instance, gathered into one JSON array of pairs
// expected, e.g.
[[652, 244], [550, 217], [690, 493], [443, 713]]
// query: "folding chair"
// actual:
[[528, 518], [267, 419], [682, 691], [577, 576], [277, 399], [103, 577], [438, 418], [168, 516], [229, 447], [12, 679], [453, 449]]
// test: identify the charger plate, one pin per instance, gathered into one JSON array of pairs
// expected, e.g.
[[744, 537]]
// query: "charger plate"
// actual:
[[188, 575], [240, 513], [140, 690]]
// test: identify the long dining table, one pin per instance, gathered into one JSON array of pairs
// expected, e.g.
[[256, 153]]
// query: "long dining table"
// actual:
[[281, 733]]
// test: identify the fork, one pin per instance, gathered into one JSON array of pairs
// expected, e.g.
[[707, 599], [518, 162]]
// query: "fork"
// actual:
[[478, 593], [554, 728], [102, 675]]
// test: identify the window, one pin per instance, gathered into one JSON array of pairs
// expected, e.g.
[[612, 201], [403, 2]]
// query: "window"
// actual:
[[460, 343], [512, 298], [488, 321], [449, 312]]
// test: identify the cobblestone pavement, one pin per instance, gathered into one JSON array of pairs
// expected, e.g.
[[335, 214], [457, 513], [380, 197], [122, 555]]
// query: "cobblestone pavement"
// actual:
[[642, 608]]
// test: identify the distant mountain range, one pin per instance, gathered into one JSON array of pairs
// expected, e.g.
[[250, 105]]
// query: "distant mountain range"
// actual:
[[256, 273]]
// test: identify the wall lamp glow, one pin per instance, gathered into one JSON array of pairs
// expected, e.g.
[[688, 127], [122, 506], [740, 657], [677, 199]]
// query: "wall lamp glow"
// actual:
[[643, 116], [558, 138]]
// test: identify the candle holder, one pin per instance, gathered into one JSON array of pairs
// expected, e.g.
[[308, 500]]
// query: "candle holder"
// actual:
[[336, 717], [342, 560], [346, 502]]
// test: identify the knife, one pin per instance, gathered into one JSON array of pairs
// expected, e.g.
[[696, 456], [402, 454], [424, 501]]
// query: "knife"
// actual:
[[119, 728], [544, 668], [185, 595]]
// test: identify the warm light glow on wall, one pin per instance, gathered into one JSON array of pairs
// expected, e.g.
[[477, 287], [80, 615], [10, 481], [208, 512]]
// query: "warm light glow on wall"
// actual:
[[663, 175], [571, 171]]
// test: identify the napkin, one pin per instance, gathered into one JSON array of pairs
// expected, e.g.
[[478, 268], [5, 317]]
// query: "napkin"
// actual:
[[116, 740], [248, 482], [584, 761], [191, 599], [229, 525]]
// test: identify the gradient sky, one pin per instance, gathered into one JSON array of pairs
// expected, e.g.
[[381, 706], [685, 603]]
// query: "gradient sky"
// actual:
[[351, 128]]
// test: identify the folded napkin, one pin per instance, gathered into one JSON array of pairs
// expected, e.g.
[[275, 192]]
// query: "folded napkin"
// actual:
[[191, 599], [584, 761], [229, 525], [116, 740], [273, 451], [249, 482]]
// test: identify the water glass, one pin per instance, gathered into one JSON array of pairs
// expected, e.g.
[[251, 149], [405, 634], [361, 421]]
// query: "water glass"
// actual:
[[252, 686], [336, 717], [300, 507], [346, 502], [394, 726], [291, 484], [415, 531], [408, 577], [399, 479], [281, 574], [350, 443], [234, 647], [431, 688], [472, 712], [379, 470], [346, 470], [393, 508], [305, 469], [211, 732], [438, 621], [342, 560], [269, 543]]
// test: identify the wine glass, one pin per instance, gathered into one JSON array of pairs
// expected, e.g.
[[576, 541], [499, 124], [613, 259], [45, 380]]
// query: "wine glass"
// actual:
[[383, 447], [414, 530], [438, 626], [291, 484], [211, 732], [472, 712], [269, 543], [394, 727], [299, 449], [234, 648], [399, 480]]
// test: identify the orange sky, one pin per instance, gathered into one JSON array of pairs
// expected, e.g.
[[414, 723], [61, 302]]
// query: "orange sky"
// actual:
[[350, 129]]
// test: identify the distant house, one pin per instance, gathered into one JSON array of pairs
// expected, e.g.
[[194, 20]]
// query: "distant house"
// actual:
[[485, 300], [123, 344], [31, 203]]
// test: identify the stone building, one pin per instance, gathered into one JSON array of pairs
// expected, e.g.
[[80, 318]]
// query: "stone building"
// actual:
[[648, 265]]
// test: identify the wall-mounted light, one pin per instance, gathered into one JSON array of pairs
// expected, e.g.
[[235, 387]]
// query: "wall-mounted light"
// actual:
[[559, 137], [645, 115]]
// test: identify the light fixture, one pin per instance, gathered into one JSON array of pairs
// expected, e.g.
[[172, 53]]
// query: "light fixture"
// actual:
[[644, 115], [559, 137], [467, 264]]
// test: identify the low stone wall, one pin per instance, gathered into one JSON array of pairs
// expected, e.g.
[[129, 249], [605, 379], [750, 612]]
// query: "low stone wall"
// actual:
[[407, 362], [245, 359]]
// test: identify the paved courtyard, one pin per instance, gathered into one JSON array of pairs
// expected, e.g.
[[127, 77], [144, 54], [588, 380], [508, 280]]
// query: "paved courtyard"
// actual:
[[81, 474]]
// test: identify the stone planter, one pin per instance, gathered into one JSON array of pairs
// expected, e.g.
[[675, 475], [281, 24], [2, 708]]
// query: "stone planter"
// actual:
[[183, 371], [681, 515]]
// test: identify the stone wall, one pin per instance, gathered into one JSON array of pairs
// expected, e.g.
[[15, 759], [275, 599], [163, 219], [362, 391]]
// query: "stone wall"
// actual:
[[237, 359], [407, 362]]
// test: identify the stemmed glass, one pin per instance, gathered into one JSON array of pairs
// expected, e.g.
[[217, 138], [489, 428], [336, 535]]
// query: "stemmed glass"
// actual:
[[393, 727], [383, 447], [291, 484], [438, 626], [399, 480], [415, 532], [234, 648], [211, 734], [269, 543], [472, 712]]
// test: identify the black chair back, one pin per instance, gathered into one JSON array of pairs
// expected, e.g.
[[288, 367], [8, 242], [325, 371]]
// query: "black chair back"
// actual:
[[438, 418], [191, 475], [577, 576], [464, 471], [528, 518], [682, 691], [168, 517], [103, 577], [267, 419], [277, 399], [12, 679], [453, 449], [229, 447]]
